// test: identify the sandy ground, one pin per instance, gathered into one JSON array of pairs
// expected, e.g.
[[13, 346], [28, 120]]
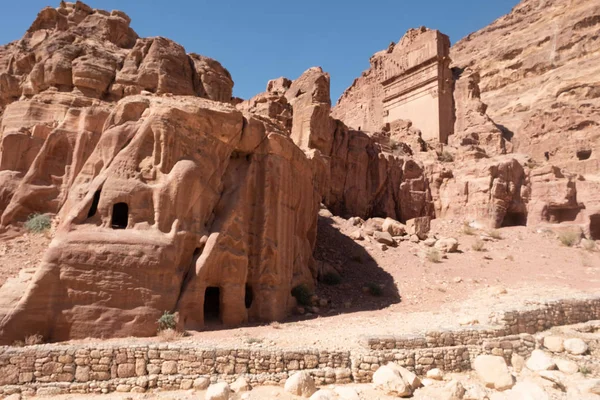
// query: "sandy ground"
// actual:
[[20, 250], [418, 295]]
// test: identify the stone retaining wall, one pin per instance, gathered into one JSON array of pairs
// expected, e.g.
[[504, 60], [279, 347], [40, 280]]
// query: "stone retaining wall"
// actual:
[[95, 368]]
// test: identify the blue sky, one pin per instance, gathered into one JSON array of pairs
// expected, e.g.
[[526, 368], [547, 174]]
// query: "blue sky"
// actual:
[[264, 39]]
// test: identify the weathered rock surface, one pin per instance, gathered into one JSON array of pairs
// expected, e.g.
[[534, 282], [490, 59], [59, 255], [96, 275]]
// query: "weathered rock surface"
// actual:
[[539, 77], [300, 384], [492, 370]]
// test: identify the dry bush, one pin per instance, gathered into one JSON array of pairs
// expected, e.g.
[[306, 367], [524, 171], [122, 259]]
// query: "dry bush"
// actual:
[[275, 325], [495, 234], [569, 238], [38, 223], [468, 230], [433, 255], [589, 245], [169, 335], [374, 289], [446, 157], [34, 339], [252, 340], [479, 245]]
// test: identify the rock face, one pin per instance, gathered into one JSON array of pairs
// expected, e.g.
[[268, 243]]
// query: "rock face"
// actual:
[[539, 76], [355, 175], [143, 198], [167, 196]]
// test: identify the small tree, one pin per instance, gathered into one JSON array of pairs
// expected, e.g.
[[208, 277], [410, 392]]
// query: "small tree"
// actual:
[[38, 223], [302, 294], [166, 321]]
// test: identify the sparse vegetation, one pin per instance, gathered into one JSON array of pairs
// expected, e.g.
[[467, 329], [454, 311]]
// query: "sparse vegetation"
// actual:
[[374, 289], [478, 245], [589, 245], [169, 335], [585, 370], [332, 278], [252, 340], [38, 223], [433, 255], [394, 144], [467, 229], [569, 238], [166, 321], [275, 325], [302, 294], [531, 164], [446, 157], [29, 340], [495, 234]]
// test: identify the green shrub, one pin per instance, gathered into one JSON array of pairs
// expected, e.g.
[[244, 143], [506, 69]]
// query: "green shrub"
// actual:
[[433, 255], [375, 289], [446, 157], [166, 321], [302, 294], [332, 278], [38, 223], [569, 238]]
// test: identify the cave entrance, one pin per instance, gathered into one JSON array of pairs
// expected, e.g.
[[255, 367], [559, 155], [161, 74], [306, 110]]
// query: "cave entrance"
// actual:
[[584, 154], [559, 215], [249, 297], [515, 219], [94, 207], [120, 216], [212, 304], [595, 227]]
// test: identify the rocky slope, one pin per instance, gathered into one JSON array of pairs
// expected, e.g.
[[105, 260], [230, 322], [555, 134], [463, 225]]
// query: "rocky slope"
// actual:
[[540, 77]]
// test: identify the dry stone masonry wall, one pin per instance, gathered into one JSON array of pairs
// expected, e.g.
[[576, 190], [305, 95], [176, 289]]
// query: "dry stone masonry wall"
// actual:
[[83, 368]]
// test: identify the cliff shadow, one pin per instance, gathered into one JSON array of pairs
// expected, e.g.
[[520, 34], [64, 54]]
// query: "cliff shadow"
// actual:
[[363, 284]]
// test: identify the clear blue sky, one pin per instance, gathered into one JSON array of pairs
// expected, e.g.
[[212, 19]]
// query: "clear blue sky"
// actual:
[[264, 39]]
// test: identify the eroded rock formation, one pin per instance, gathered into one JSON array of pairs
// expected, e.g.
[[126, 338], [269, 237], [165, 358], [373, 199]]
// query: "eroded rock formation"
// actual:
[[539, 68]]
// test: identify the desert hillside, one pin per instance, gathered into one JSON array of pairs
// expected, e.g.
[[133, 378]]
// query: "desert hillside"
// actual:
[[434, 235]]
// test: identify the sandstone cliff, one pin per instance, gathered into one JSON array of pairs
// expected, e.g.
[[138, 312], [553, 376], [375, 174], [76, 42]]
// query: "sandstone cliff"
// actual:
[[167, 196], [540, 77]]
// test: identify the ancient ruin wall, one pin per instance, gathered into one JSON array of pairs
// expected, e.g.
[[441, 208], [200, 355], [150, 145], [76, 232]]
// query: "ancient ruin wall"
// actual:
[[87, 368]]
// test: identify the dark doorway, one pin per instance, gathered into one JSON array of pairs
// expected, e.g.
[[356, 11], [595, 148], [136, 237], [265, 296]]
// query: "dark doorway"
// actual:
[[94, 207], [212, 304], [595, 227], [515, 219], [249, 296], [120, 216], [559, 215], [584, 154]]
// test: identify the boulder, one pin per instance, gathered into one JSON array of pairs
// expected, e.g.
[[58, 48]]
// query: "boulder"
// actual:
[[492, 370], [218, 391], [527, 391], [240, 385], [540, 361], [419, 226], [393, 227], [300, 384], [575, 346], [436, 374], [517, 361], [430, 242], [201, 383], [454, 390], [384, 238], [346, 393], [447, 245], [566, 366], [554, 344], [324, 394], [388, 378]]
